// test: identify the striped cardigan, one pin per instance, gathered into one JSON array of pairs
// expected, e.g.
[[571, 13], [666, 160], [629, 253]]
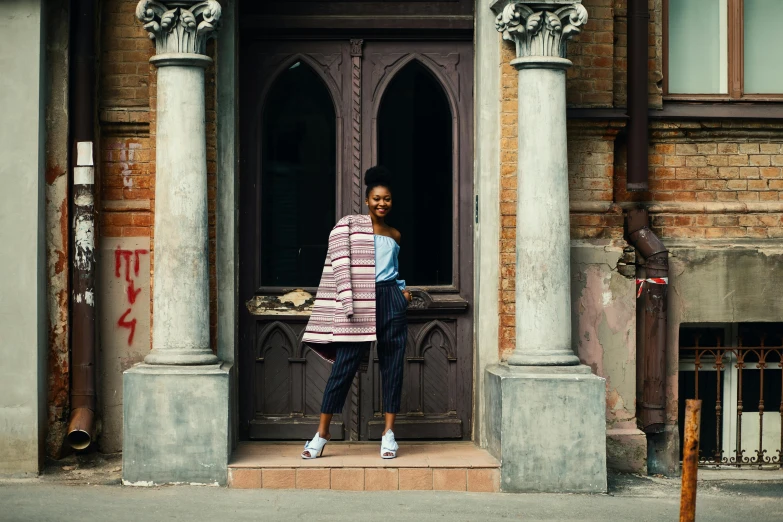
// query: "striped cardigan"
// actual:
[[344, 309]]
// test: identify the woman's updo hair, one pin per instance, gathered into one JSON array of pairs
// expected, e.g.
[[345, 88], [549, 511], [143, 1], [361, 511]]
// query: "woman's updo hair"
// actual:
[[377, 177]]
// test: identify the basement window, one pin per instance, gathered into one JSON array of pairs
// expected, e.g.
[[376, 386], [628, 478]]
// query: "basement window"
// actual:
[[737, 372]]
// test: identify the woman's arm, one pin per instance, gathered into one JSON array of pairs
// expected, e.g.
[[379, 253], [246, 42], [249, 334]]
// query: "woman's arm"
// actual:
[[398, 238]]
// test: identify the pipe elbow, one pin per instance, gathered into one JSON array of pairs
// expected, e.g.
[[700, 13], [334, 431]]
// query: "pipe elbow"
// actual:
[[640, 235], [81, 428]]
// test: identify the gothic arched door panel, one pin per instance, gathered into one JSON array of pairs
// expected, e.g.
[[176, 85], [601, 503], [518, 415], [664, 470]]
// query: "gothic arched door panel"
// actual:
[[293, 154], [314, 116], [417, 119]]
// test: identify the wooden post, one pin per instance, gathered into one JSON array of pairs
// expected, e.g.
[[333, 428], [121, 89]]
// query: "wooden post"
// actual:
[[690, 460]]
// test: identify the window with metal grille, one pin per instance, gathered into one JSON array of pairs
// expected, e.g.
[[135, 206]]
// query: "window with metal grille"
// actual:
[[737, 372]]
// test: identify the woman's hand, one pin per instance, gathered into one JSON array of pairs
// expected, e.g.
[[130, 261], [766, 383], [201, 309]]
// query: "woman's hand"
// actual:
[[407, 295]]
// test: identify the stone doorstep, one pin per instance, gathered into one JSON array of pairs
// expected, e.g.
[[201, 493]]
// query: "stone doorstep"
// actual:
[[358, 467], [484, 480]]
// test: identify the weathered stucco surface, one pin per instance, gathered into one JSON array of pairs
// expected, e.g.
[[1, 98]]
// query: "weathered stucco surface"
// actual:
[[23, 324], [545, 427], [716, 281], [603, 319], [176, 425], [124, 322]]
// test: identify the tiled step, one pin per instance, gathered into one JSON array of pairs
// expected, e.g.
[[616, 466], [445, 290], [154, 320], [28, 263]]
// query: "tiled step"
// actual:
[[358, 466]]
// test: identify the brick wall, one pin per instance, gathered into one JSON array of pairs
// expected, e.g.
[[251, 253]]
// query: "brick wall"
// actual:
[[599, 54], [714, 180], [125, 54], [591, 158], [127, 99], [126, 178], [211, 131], [508, 197], [590, 80], [707, 179]]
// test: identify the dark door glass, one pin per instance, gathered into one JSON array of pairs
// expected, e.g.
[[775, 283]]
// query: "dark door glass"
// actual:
[[298, 182], [415, 143]]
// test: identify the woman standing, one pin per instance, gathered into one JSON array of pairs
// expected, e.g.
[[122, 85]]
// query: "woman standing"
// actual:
[[361, 300]]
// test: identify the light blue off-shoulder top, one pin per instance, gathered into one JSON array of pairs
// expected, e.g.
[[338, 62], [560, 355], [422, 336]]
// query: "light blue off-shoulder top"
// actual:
[[386, 265]]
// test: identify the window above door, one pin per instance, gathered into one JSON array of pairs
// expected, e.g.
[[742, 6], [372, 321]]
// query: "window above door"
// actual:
[[722, 50]]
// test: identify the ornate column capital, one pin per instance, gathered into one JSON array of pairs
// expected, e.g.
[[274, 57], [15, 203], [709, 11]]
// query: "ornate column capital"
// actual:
[[179, 27], [541, 30]]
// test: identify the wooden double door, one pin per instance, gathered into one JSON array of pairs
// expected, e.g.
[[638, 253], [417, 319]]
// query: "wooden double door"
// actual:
[[314, 116]]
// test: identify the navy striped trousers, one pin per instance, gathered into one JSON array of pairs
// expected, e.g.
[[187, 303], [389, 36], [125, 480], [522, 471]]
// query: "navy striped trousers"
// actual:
[[392, 330]]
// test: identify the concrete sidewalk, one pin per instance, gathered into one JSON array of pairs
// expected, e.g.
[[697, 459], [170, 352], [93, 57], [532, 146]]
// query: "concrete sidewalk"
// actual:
[[87, 488], [633, 498]]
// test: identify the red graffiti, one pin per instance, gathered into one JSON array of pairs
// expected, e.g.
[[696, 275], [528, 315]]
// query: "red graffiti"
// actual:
[[121, 256], [131, 325], [133, 292]]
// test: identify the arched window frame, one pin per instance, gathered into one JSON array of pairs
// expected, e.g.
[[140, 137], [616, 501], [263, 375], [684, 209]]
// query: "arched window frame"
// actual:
[[258, 115], [450, 90]]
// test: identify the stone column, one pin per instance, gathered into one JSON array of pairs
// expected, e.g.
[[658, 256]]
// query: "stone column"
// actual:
[[180, 313], [545, 411], [177, 425], [543, 291]]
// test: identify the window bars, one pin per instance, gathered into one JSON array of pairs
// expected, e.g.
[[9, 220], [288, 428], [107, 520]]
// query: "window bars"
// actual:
[[738, 371]]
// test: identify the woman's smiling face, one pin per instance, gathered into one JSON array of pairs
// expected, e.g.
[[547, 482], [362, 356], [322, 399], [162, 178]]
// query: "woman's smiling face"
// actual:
[[379, 201]]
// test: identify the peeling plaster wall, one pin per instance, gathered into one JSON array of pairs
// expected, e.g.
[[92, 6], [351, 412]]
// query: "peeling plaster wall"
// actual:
[[603, 319], [718, 281], [57, 289]]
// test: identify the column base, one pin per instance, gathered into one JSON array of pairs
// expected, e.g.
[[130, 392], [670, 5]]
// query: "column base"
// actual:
[[181, 357], [547, 426], [558, 358], [176, 425], [626, 450]]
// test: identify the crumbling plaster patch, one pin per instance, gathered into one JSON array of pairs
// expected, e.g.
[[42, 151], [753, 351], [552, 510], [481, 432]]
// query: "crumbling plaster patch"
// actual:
[[604, 324]]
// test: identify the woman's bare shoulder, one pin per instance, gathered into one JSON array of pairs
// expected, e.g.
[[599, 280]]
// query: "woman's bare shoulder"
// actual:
[[395, 234]]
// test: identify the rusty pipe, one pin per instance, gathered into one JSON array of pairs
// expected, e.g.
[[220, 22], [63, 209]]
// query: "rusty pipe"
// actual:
[[690, 460], [81, 425], [638, 20], [652, 409]]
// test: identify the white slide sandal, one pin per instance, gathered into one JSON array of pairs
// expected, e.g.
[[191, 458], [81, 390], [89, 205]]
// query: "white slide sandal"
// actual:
[[315, 447], [389, 445]]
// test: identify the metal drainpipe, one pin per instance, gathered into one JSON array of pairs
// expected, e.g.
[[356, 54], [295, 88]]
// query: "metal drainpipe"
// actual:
[[81, 426], [652, 410], [638, 19]]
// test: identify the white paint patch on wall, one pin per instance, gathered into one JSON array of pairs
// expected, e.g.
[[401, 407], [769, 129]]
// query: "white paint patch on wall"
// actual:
[[127, 160], [606, 297]]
